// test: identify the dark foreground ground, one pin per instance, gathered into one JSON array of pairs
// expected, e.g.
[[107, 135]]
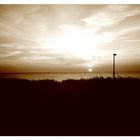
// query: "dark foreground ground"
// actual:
[[74, 107]]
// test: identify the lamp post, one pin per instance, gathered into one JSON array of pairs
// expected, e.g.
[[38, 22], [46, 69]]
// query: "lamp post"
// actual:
[[114, 65]]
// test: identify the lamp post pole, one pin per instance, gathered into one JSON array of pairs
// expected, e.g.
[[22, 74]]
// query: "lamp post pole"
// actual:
[[114, 65]]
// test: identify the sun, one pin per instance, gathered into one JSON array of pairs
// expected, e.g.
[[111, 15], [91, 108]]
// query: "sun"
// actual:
[[90, 70]]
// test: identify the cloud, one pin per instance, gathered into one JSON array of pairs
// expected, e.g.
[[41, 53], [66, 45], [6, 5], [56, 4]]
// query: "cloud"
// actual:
[[110, 16], [9, 54]]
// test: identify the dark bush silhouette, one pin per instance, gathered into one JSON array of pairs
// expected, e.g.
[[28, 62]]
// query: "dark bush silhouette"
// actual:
[[99, 106]]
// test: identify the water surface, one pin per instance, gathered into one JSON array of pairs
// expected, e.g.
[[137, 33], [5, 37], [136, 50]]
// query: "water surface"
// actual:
[[65, 76]]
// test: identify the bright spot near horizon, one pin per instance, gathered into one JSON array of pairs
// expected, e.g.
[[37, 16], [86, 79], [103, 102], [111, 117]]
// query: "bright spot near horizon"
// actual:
[[90, 70]]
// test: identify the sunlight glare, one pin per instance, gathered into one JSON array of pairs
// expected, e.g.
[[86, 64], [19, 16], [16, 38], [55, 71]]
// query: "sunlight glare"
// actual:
[[76, 43], [90, 70], [79, 43]]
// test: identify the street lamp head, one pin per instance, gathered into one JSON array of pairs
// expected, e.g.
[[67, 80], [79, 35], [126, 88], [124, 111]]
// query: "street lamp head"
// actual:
[[114, 65]]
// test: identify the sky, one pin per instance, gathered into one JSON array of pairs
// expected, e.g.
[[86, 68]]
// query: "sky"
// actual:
[[69, 38]]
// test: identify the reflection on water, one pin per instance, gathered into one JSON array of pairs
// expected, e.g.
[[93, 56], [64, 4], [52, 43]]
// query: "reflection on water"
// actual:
[[65, 76]]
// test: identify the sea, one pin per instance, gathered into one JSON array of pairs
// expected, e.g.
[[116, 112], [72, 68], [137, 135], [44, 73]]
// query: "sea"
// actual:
[[60, 76]]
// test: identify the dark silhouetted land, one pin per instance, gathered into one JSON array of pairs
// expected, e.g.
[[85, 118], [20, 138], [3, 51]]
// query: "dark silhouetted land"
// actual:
[[96, 106]]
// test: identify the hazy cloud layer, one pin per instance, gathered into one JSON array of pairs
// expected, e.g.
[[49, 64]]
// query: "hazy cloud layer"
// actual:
[[69, 37]]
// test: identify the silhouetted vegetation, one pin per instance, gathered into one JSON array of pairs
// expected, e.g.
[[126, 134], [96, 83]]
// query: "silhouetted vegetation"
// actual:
[[99, 106]]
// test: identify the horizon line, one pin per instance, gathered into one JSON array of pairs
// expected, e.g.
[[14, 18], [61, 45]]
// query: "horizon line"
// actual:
[[68, 72]]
